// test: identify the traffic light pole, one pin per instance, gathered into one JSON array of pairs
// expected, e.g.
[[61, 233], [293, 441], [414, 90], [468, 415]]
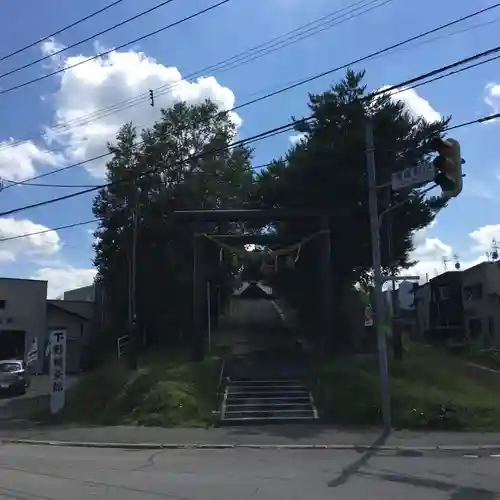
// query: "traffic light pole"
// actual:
[[377, 271]]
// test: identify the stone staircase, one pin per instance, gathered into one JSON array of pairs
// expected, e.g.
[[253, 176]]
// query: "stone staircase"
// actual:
[[277, 400]]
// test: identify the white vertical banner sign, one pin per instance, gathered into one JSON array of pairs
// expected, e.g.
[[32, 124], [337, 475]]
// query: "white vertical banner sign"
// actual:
[[57, 370], [209, 317]]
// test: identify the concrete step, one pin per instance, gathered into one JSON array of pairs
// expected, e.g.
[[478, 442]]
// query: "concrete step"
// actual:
[[268, 407], [274, 412], [265, 382], [272, 400], [266, 420], [273, 394], [244, 389], [269, 399]]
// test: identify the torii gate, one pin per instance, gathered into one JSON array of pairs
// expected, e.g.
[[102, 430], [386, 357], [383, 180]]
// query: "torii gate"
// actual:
[[199, 218]]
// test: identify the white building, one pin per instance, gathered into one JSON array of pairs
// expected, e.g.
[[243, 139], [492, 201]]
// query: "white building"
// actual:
[[23, 318], [85, 293]]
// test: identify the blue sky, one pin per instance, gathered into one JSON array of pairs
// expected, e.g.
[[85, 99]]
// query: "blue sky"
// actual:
[[465, 227]]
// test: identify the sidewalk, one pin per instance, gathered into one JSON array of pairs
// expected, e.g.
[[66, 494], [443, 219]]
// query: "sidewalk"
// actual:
[[265, 436]]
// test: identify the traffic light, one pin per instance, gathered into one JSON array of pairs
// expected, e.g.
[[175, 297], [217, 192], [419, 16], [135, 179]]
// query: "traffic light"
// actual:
[[151, 98], [448, 166]]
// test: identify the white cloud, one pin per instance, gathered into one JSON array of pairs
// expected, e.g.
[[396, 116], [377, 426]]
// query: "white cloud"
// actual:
[[416, 105], [492, 96], [38, 245], [51, 46], [63, 278], [483, 237], [297, 138], [112, 79], [18, 161], [430, 251]]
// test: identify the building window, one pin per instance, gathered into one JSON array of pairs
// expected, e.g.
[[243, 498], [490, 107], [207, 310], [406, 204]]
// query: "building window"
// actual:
[[475, 327], [2, 304], [473, 292], [444, 292]]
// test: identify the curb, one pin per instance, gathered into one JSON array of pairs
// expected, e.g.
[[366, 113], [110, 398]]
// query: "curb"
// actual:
[[214, 446]]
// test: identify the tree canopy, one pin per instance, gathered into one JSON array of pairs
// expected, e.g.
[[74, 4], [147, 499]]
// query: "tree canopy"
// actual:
[[327, 170], [181, 162]]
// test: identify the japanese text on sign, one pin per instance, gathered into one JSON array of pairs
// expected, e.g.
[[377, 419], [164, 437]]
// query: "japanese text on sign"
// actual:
[[413, 176], [57, 350]]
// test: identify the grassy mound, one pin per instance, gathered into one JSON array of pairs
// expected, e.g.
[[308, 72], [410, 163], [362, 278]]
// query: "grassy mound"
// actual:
[[162, 392], [427, 392]]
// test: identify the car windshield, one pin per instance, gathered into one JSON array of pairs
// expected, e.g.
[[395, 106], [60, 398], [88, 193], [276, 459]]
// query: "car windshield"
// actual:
[[9, 367]]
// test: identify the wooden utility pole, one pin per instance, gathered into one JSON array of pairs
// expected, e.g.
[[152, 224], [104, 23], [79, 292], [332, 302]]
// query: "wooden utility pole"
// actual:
[[198, 342], [132, 318], [327, 304]]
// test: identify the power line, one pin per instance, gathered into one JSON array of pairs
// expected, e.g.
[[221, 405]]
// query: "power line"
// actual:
[[91, 221], [255, 138], [305, 31], [268, 133], [403, 48], [57, 170], [289, 87], [91, 37], [59, 31], [483, 119], [48, 230], [34, 184], [454, 72], [93, 185], [322, 74], [131, 42]]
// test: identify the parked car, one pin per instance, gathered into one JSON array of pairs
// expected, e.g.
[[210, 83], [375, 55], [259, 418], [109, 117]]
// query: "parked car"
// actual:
[[14, 378]]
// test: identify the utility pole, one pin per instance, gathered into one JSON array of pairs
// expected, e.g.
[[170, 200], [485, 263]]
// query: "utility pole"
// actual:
[[132, 326], [377, 271], [327, 305]]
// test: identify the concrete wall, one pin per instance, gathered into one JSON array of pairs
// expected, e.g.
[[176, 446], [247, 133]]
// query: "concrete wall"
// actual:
[[86, 293], [25, 309], [77, 332], [81, 307]]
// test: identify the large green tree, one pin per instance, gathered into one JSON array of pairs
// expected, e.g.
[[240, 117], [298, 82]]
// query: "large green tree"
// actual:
[[327, 170], [181, 162]]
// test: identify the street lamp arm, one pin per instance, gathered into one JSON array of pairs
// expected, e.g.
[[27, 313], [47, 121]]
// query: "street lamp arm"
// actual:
[[391, 208]]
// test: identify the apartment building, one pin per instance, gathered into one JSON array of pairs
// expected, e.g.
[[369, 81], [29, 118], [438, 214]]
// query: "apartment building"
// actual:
[[481, 302], [462, 305]]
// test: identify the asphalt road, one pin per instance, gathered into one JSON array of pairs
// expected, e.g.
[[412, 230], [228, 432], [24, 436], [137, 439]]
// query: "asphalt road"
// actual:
[[53, 473]]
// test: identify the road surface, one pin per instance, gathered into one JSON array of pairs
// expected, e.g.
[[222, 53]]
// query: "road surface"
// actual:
[[58, 473]]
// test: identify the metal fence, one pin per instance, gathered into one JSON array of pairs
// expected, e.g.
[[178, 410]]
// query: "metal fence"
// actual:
[[121, 344]]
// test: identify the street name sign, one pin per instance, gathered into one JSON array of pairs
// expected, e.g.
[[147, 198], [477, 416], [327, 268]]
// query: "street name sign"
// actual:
[[413, 176]]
